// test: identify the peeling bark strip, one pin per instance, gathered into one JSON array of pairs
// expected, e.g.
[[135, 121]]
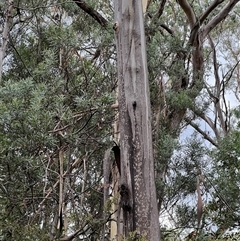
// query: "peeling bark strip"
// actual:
[[137, 167]]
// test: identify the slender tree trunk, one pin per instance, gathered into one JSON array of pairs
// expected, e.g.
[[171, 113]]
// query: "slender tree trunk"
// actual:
[[3, 41], [137, 187]]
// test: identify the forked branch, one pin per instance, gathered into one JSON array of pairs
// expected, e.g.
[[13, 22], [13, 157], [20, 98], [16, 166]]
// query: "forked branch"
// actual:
[[221, 16]]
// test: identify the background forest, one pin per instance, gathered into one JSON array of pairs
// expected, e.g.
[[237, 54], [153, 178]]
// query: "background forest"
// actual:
[[58, 87]]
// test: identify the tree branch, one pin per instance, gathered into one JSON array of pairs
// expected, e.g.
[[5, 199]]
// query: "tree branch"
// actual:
[[203, 133], [198, 24], [167, 28], [208, 11], [51, 189], [218, 88], [93, 13], [188, 11], [222, 15], [161, 8], [210, 123]]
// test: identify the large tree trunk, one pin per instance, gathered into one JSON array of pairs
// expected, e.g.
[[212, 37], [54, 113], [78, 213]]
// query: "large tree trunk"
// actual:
[[137, 189]]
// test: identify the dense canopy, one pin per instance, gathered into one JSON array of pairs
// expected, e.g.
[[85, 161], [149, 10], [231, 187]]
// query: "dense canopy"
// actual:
[[59, 117]]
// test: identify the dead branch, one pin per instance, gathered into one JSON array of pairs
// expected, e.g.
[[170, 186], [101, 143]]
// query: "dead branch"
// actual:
[[77, 161], [218, 88], [203, 133]]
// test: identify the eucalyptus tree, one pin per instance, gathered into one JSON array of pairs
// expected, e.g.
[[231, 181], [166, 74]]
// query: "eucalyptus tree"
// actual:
[[137, 187], [190, 98], [56, 91]]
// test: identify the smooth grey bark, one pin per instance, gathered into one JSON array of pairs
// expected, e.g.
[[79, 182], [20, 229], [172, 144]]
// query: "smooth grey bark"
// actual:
[[137, 188], [3, 41]]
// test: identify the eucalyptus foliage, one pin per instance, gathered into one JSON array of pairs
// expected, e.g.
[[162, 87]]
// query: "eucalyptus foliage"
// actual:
[[56, 94]]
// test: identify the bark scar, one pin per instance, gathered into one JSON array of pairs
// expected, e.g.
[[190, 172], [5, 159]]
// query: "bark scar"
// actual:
[[125, 198]]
